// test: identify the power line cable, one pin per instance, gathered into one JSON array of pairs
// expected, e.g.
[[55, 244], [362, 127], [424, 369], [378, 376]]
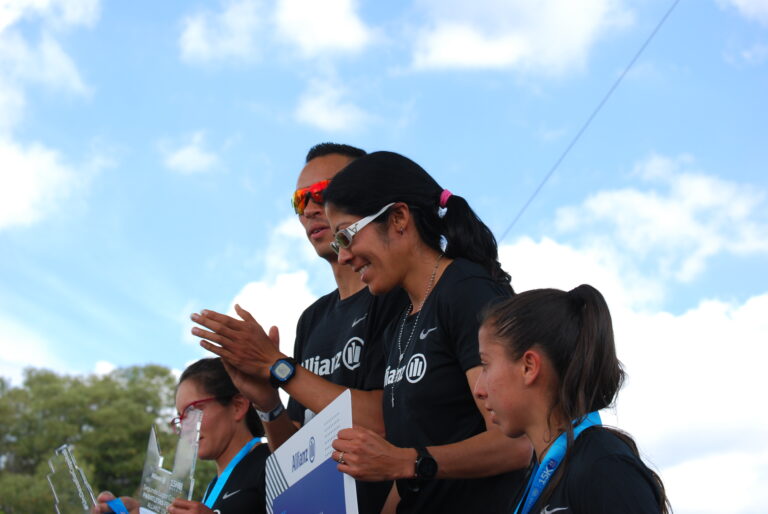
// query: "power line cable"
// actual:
[[590, 118]]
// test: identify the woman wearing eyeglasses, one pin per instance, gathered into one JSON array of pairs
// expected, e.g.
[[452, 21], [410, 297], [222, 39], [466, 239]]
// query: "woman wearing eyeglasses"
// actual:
[[549, 365], [397, 227], [230, 435]]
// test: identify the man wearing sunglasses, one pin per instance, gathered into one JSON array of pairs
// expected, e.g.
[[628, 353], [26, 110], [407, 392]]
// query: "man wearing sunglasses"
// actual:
[[336, 343]]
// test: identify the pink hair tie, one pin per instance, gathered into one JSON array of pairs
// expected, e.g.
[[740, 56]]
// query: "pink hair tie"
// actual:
[[444, 196]]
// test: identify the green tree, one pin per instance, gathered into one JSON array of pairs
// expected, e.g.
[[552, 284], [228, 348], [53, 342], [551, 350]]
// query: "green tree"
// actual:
[[106, 418]]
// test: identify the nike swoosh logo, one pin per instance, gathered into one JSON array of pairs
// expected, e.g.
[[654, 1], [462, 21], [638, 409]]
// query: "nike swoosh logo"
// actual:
[[227, 495], [547, 510], [425, 333], [359, 320]]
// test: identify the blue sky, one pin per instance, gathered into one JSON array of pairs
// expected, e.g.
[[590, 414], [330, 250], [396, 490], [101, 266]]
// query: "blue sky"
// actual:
[[148, 151]]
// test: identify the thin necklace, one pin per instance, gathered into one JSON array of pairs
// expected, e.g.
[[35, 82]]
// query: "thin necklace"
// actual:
[[401, 350]]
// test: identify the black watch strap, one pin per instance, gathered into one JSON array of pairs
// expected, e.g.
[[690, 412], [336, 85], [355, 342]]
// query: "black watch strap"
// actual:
[[426, 465]]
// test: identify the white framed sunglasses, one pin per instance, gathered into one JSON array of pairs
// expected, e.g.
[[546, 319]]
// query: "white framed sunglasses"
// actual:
[[343, 238]]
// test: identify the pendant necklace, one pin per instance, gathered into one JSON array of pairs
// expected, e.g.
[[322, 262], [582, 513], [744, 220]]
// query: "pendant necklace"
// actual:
[[400, 349]]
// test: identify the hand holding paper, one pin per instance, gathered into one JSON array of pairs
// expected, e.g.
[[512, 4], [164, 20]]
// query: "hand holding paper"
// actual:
[[368, 456]]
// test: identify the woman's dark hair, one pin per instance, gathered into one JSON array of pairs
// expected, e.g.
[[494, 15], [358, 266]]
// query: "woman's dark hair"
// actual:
[[575, 332], [213, 378], [379, 178]]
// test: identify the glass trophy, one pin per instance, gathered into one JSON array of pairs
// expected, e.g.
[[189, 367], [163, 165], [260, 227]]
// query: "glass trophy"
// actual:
[[72, 494], [159, 487]]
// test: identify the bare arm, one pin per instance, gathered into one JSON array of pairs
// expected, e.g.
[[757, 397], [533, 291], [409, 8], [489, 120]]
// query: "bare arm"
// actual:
[[315, 393], [244, 345], [265, 398], [486, 454], [369, 457]]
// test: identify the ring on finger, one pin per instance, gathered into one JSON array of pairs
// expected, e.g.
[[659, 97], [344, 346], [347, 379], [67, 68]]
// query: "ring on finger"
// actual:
[[341, 458]]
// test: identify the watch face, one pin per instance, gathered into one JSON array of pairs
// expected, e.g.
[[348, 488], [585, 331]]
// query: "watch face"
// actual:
[[427, 467], [282, 370]]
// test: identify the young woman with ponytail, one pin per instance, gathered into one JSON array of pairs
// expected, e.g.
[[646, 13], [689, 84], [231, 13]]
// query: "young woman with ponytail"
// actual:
[[548, 366], [440, 446]]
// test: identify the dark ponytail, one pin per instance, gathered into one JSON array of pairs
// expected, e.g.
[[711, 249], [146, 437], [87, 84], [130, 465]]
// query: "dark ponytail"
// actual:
[[379, 178], [575, 332], [213, 378], [592, 374]]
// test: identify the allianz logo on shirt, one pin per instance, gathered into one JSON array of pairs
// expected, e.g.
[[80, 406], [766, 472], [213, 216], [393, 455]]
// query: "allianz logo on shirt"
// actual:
[[301, 457], [414, 370], [349, 356]]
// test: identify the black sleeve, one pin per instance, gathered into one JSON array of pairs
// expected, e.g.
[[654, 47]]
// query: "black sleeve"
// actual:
[[464, 305], [374, 364], [615, 483]]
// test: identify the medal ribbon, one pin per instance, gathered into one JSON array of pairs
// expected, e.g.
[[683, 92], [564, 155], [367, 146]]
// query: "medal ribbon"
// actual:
[[212, 495], [543, 472]]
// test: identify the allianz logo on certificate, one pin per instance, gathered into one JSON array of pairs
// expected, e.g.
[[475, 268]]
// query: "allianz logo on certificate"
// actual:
[[349, 356], [303, 456]]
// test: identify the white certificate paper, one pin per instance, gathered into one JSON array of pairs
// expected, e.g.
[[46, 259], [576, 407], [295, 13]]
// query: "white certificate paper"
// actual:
[[301, 476]]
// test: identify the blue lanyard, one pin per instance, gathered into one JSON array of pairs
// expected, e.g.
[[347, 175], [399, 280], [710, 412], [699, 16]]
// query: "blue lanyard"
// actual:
[[211, 496], [543, 472]]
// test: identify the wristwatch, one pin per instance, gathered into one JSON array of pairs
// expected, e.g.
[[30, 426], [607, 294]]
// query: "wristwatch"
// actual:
[[272, 415], [282, 371], [426, 465]]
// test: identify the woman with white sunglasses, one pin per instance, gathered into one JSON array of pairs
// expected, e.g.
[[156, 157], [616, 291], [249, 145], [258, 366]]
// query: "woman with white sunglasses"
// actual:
[[397, 227]]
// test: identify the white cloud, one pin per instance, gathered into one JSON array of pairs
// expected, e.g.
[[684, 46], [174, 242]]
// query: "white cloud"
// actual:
[[324, 106], [229, 34], [288, 249], [291, 270], [59, 13], [321, 27], [687, 373], [550, 37], [44, 62], [35, 181], [752, 9], [686, 218], [192, 157], [279, 298], [22, 347], [695, 379], [47, 63], [688, 481], [11, 106], [277, 301], [103, 368], [754, 55], [35, 178], [599, 265]]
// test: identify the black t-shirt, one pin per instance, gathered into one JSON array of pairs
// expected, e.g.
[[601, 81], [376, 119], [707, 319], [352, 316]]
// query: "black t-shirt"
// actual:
[[601, 475], [244, 491], [340, 340], [433, 402]]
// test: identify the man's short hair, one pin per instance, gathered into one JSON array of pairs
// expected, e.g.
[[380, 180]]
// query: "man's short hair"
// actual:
[[322, 149]]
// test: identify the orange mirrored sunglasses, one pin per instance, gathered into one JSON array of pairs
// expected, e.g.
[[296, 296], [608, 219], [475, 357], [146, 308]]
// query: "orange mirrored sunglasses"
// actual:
[[302, 196]]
